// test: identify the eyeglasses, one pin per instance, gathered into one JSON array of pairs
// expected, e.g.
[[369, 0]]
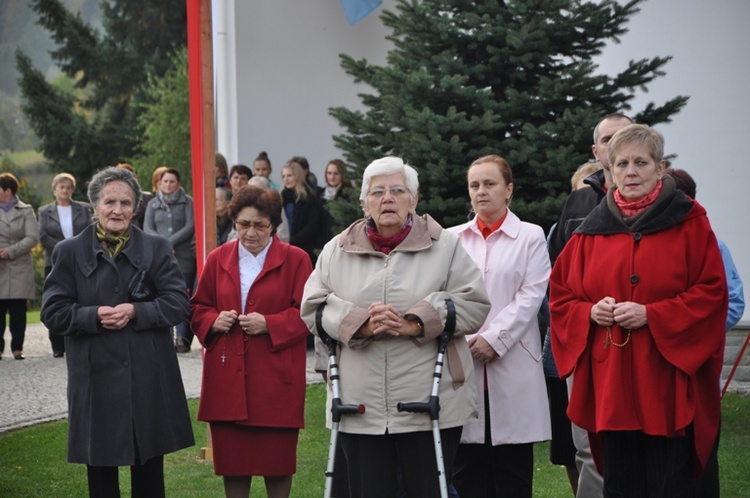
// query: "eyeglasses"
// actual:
[[378, 193], [255, 225]]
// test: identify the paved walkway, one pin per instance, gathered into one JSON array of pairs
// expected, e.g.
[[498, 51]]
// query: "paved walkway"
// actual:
[[34, 390]]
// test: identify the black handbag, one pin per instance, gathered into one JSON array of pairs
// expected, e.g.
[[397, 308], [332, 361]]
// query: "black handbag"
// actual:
[[141, 288]]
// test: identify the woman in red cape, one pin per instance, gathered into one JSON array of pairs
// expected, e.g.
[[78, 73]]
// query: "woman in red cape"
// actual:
[[638, 301]]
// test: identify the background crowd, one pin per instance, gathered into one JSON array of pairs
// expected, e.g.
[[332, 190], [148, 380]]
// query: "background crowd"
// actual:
[[631, 326]]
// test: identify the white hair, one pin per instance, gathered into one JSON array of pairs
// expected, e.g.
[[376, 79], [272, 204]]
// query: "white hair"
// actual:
[[387, 166]]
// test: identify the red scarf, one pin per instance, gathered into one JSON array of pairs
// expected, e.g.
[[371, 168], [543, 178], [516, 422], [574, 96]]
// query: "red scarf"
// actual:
[[386, 244], [639, 205]]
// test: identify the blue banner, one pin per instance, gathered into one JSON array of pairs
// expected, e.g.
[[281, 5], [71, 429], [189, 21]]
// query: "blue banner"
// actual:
[[356, 10]]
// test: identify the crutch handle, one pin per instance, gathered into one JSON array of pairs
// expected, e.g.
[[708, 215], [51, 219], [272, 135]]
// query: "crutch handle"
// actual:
[[432, 407], [338, 409]]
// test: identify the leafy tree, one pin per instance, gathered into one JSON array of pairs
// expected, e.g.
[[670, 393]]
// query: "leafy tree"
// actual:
[[165, 123], [467, 78], [96, 126]]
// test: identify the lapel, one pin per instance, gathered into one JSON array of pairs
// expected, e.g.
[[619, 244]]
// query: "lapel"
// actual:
[[77, 214], [275, 257], [53, 214], [230, 266], [13, 213]]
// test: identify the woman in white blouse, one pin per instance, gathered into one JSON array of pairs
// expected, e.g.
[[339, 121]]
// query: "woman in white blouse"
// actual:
[[58, 221]]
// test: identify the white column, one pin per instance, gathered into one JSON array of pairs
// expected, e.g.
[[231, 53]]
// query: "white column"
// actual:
[[225, 79]]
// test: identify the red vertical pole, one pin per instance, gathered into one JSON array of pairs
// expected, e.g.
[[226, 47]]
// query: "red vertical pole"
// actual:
[[200, 75]]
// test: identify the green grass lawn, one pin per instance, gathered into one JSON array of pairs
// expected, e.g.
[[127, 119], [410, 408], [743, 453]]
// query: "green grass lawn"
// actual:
[[33, 460]]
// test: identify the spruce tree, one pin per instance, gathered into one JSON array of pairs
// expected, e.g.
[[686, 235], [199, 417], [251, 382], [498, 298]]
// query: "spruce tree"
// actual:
[[466, 78], [97, 126]]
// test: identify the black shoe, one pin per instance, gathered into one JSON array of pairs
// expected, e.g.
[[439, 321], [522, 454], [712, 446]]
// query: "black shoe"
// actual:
[[18, 355], [58, 354]]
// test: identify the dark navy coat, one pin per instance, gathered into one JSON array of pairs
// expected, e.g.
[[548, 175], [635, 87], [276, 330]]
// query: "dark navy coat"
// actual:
[[125, 394]]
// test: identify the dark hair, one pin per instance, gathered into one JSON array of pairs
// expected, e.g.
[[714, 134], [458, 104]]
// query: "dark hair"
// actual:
[[221, 163], [615, 116], [113, 174], [172, 171], [683, 181], [302, 161], [241, 169], [8, 181], [226, 193], [263, 156], [266, 201]]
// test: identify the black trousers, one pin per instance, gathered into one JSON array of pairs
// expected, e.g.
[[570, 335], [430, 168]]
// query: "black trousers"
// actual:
[[385, 465], [146, 480], [484, 470], [16, 308], [708, 485], [56, 340], [641, 466]]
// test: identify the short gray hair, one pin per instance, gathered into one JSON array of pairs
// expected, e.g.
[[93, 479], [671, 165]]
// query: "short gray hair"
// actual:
[[388, 166], [63, 176], [260, 182], [638, 134], [113, 174]]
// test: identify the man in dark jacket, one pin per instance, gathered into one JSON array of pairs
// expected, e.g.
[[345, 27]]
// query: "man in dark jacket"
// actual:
[[577, 207], [582, 201]]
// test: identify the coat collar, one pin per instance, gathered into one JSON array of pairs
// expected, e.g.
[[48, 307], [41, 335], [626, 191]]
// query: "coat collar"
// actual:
[[423, 231], [510, 227], [675, 208], [16, 211], [229, 260], [93, 253], [77, 210]]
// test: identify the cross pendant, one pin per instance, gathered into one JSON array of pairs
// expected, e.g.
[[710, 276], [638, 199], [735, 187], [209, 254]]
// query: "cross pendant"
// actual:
[[223, 359]]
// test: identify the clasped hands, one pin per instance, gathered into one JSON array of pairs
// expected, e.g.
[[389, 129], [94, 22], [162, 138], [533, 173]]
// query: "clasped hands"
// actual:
[[384, 319], [627, 315], [115, 318], [252, 323]]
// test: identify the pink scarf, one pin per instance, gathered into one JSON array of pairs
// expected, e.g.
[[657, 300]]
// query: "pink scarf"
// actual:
[[639, 205]]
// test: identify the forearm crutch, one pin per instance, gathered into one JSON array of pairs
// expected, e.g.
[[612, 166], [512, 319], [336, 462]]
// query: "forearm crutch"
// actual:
[[337, 407], [433, 406]]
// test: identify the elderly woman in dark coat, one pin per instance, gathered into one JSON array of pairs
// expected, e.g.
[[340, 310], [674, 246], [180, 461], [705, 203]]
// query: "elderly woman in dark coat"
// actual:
[[115, 291]]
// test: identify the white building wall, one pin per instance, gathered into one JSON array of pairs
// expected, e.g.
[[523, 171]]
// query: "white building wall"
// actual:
[[288, 75]]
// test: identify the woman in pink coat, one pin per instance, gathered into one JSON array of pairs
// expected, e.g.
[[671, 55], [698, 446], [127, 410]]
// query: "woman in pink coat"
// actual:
[[245, 312], [496, 456]]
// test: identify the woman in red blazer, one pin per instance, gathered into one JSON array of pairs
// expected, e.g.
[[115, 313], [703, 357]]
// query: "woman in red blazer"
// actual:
[[245, 312]]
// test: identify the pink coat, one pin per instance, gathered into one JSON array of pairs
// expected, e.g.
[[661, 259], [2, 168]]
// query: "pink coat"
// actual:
[[515, 267]]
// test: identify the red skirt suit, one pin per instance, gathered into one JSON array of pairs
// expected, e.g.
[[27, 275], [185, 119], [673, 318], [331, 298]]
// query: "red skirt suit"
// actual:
[[253, 389]]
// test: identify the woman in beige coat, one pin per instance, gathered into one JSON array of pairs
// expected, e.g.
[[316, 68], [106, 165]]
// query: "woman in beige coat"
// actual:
[[19, 233], [384, 281]]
